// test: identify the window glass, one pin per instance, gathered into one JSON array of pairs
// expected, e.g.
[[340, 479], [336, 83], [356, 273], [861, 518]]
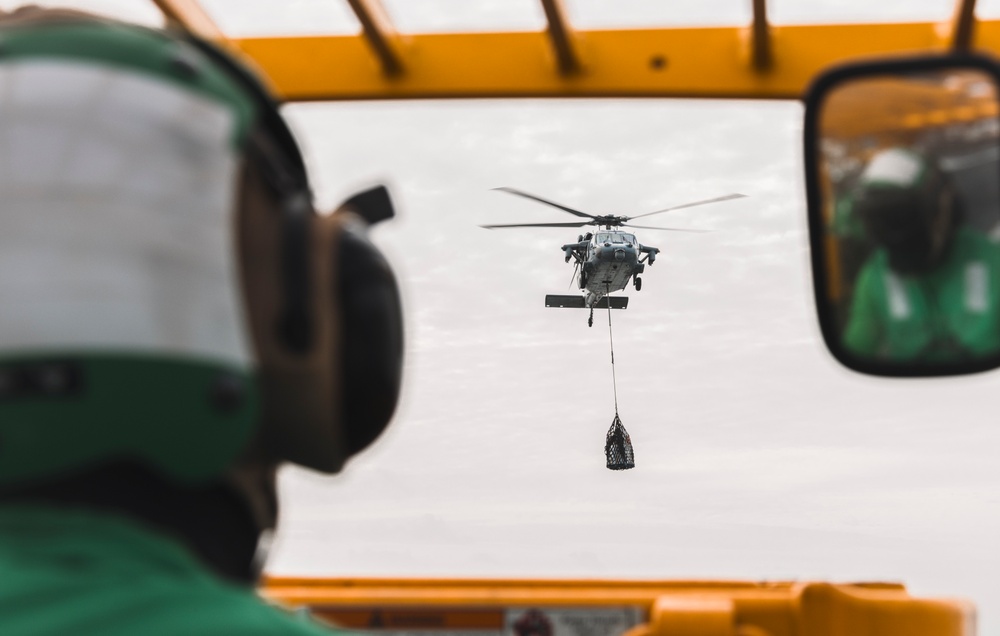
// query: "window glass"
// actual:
[[743, 427], [437, 16], [626, 14], [859, 11], [251, 18]]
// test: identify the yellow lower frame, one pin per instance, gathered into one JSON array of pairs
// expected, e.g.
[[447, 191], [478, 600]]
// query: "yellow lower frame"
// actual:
[[672, 608]]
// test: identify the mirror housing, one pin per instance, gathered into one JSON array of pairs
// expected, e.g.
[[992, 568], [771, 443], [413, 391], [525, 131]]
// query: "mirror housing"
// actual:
[[902, 162]]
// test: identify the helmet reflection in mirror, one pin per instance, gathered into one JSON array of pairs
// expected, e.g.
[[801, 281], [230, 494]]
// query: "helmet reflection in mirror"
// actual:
[[160, 250], [908, 207]]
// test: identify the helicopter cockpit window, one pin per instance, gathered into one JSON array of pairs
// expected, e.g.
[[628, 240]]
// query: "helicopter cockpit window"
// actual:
[[617, 238], [603, 237]]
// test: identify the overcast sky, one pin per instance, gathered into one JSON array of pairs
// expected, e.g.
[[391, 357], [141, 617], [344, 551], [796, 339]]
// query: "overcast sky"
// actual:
[[756, 455]]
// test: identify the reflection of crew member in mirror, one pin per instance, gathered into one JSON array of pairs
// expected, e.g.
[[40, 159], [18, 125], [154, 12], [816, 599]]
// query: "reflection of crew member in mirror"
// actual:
[[931, 288]]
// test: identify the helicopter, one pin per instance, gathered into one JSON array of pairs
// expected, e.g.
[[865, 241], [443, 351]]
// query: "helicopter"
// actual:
[[605, 259]]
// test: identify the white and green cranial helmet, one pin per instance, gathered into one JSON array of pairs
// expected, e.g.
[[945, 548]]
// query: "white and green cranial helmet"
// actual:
[[168, 295]]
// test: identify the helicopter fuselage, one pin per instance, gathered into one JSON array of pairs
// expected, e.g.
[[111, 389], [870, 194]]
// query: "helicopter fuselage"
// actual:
[[607, 260]]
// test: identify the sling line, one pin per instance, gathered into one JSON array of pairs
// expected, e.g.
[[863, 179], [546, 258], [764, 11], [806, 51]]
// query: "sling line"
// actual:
[[611, 337]]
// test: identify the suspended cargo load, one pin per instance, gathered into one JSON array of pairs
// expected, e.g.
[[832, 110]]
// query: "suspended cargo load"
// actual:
[[618, 447]]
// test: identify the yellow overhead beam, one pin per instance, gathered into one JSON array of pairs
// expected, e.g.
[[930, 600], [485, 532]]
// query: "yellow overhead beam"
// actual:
[[669, 62], [190, 15]]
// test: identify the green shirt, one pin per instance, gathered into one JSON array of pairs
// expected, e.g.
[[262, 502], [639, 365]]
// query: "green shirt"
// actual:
[[73, 571], [950, 313]]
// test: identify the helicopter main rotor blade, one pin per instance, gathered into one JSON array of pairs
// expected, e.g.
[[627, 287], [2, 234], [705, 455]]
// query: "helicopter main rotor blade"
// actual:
[[545, 201], [668, 229], [691, 205], [493, 227]]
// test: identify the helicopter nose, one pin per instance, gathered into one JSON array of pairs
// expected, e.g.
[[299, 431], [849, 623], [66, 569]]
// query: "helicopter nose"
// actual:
[[619, 255]]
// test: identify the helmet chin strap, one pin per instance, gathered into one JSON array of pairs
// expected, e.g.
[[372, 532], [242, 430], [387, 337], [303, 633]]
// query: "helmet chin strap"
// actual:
[[255, 480], [255, 483]]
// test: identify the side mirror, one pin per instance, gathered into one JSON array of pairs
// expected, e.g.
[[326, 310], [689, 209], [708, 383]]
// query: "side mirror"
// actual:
[[903, 184]]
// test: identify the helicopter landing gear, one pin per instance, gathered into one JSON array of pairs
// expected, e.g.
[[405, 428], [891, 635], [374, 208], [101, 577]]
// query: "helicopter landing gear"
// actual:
[[590, 321], [637, 282]]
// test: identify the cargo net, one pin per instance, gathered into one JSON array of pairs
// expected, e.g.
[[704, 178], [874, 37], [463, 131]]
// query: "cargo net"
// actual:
[[618, 447]]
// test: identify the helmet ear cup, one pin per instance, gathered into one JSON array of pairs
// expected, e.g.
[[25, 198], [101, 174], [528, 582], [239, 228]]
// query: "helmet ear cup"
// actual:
[[298, 386], [371, 332], [325, 402]]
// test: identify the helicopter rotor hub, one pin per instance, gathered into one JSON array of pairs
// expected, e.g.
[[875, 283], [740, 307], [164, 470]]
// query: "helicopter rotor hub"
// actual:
[[610, 220]]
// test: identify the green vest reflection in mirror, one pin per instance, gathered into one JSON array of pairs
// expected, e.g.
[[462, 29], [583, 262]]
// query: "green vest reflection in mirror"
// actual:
[[949, 313]]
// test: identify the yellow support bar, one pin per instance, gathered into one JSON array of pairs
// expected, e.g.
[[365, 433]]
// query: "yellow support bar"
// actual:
[[190, 15], [761, 31], [963, 23], [675, 62], [562, 37], [377, 29]]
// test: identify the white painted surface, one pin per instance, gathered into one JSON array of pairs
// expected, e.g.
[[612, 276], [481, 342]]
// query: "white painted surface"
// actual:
[[104, 244]]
